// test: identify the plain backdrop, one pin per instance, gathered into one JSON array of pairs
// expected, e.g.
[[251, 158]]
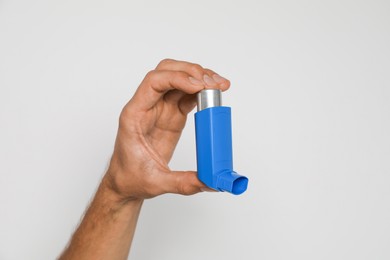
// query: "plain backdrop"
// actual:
[[310, 98]]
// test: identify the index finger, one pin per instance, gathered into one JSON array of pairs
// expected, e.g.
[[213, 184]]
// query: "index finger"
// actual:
[[196, 71], [157, 83]]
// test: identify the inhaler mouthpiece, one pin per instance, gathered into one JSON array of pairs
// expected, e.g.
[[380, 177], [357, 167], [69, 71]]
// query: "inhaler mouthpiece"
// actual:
[[214, 144]]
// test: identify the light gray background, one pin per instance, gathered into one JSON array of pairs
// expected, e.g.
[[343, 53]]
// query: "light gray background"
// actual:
[[311, 120]]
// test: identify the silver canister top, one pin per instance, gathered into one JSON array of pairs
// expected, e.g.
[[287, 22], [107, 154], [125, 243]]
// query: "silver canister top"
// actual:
[[209, 98]]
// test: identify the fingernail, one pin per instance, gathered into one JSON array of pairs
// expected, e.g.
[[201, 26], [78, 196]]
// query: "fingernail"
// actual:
[[195, 81], [209, 81], [219, 79]]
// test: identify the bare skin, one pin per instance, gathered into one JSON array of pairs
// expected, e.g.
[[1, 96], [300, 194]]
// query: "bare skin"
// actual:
[[150, 126]]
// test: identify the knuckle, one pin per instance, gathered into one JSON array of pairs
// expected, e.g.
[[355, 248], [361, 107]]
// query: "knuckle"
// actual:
[[186, 190], [128, 119], [209, 71], [150, 77], [180, 189], [164, 62], [186, 187], [196, 69], [123, 117]]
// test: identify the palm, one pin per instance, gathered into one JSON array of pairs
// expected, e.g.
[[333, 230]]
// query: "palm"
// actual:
[[164, 124]]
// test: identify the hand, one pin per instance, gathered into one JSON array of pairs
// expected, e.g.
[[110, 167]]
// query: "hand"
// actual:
[[150, 126]]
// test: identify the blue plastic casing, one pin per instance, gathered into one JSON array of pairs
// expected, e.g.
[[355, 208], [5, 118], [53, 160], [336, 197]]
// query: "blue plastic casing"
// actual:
[[214, 151]]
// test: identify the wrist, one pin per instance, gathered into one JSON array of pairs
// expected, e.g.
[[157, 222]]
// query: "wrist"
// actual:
[[107, 228], [111, 193]]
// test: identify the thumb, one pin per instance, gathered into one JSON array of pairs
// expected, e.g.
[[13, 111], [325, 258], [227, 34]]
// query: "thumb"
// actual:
[[182, 182]]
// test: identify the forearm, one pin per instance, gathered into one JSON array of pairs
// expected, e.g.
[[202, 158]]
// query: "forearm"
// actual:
[[107, 229]]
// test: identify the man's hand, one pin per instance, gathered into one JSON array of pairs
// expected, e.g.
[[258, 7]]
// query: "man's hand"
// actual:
[[149, 129], [150, 126]]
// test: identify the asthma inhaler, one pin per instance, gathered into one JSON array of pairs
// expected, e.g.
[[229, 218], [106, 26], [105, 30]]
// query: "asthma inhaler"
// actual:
[[214, 153]]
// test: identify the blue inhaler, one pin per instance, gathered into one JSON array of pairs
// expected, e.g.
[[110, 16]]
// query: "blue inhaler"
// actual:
[[214, 153]]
